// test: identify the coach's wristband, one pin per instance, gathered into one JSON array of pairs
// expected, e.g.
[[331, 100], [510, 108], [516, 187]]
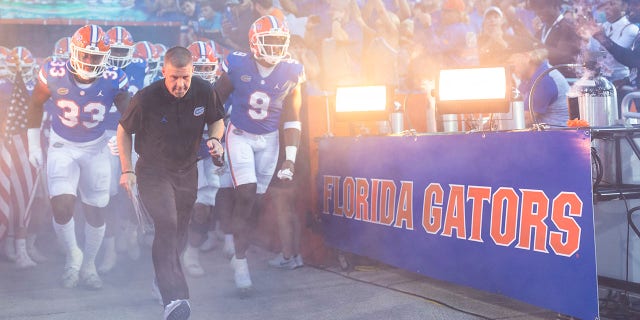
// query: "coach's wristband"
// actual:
[[128, 171], [213, 138]]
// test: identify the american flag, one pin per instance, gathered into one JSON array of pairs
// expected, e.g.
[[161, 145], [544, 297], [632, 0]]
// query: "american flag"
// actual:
[[17, 176]]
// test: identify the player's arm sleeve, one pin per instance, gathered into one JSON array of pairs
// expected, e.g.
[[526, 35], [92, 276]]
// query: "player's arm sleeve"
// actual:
[[35, 110]]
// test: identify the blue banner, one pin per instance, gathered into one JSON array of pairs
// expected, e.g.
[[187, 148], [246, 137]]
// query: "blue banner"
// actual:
[[504, 212]]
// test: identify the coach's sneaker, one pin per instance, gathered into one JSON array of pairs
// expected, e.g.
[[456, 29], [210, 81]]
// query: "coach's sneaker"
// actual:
[[177, 310], [70, 276], [298, 260], [229, 248], [281, 262], [191, 261], [241, 273]]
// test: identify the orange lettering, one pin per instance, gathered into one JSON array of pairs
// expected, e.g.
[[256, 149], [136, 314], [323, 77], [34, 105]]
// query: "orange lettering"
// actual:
[[432, 216], [454, 218]]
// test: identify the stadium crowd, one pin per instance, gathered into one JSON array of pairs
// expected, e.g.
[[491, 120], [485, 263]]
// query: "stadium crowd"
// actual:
[[399, 43]]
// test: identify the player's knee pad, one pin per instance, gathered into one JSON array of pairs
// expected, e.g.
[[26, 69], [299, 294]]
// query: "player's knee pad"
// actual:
[[62, 207]]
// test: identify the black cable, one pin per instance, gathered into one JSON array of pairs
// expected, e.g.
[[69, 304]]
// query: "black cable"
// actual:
[[597, 163]]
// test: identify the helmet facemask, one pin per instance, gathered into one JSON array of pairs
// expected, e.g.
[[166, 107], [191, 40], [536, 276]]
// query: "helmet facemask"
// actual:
[[89, 62], [271, 46], [120, 55], [205, 70]]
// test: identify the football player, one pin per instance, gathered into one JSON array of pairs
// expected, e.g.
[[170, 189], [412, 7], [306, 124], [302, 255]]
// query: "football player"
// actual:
[[264, 88], [119, 211], [149, 53], [62, 48], [205, 65], [82, 89], [162, 49]]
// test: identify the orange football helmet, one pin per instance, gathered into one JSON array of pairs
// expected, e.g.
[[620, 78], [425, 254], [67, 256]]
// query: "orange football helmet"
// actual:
[[62, 48], [148, 52], [269, 39], [89, 51], [205, 62], [121, 43], [21, 60], [162, 50]]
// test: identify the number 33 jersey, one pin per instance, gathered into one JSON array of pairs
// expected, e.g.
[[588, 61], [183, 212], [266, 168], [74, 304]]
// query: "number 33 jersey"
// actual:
[[79, 110], [258, 101]]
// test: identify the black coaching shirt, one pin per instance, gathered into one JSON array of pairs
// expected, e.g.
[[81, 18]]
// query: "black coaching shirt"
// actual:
[[168, 130]]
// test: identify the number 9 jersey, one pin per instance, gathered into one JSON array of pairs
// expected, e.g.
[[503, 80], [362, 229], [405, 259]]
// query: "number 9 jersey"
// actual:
[[258, 101], [80, 109]]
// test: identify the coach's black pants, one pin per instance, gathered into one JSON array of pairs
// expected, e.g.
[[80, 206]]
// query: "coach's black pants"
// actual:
[[169, 197]]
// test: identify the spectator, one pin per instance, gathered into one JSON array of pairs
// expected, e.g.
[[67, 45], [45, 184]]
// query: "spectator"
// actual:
[[210, 22], [455, 38], [266, 8], [519, 18], [189, 28], [629, 56], [556, 32], [494, 41], [167, 10], [618, 29], [400, 8], [477, 14], [238, 17], [383, 46], [550, 96], [343, 49]]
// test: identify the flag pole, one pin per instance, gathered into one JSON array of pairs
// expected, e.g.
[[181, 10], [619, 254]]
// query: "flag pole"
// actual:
[[32, 196]]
